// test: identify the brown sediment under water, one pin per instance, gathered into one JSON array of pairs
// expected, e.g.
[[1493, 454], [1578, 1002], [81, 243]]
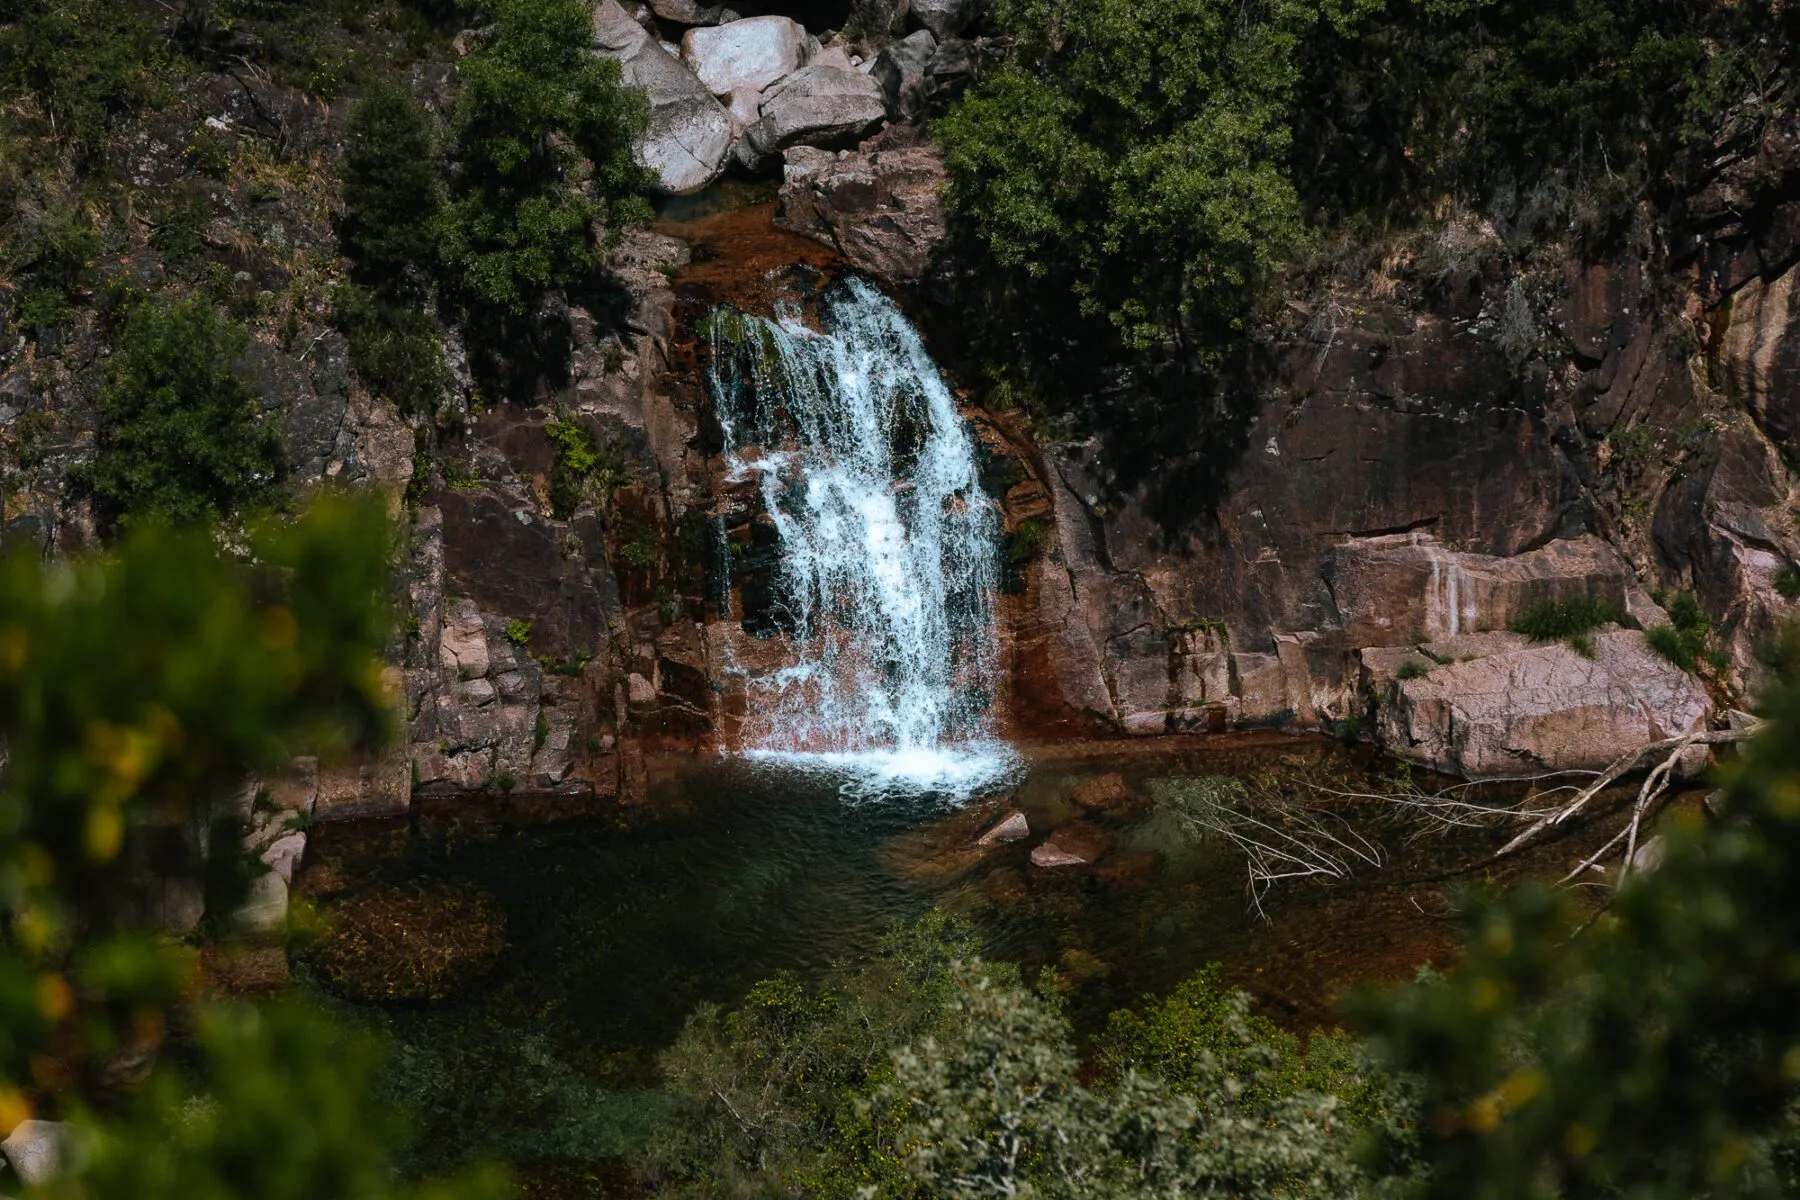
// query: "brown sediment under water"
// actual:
[[619, 925]]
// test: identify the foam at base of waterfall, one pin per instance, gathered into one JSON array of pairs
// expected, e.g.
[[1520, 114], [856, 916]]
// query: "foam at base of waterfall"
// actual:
[[956, 772]]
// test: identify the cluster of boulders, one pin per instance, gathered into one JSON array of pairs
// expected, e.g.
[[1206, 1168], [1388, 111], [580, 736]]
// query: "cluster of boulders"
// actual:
[[744, 91]]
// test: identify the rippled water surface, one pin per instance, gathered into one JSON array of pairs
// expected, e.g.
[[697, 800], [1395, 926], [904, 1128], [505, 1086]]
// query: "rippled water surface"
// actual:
[[731, 870]]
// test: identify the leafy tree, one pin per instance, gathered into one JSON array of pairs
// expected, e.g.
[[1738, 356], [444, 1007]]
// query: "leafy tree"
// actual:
[[994, 1107], [140, 683], [1184, 1037], [542, 151], [181, 436], [778, 1088], [392, 186], [1652, 1050], [1130, 156]]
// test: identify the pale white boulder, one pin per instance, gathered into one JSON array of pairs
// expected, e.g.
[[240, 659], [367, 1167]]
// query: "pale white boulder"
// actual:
[[751, 53], [690, 135]]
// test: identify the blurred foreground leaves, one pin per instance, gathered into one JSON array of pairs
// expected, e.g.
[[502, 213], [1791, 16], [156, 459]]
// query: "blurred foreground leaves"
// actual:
[[142, 683]]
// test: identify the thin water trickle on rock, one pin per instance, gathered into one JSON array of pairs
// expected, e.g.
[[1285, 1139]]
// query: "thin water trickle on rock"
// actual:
[[888, 547]]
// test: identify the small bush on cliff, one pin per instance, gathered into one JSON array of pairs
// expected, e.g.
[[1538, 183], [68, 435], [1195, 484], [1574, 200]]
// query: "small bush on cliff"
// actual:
[[542, 154], [392, 187], [181, 435], [1571, 621], [52, 264], [1685, 639], [394, 347]]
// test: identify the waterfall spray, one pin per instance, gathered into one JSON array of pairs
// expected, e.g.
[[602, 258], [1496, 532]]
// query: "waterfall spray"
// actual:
[[888, 546]]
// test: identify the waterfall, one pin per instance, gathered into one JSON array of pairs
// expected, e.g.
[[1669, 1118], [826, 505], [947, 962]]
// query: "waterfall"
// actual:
[[886, 550]]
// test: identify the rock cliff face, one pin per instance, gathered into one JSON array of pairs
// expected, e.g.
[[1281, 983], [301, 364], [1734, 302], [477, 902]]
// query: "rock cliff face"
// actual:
[[1418, 467], [1407, 486]]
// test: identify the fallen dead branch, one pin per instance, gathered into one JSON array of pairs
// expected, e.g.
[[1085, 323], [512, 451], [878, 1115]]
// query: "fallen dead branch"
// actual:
[[1279, 837]]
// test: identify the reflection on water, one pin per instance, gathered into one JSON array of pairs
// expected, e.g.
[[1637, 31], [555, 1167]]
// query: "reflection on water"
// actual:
[[748, 868]]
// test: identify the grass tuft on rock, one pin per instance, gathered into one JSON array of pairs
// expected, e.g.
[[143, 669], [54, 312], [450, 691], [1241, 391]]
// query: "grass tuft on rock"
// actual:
[[1571, 621]]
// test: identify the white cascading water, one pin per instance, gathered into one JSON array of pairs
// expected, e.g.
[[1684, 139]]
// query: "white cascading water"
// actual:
[[888, 548]]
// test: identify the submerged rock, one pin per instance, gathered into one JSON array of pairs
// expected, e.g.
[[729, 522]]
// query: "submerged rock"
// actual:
[[1074, 844], [1050, 855], [1013, 827], [412, 942], [1103, 793]]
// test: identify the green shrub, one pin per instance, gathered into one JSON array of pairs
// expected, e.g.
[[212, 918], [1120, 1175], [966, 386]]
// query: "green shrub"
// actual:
[[1200, 1028], [542, 151], [392, 187], [179, 231], [1027, 541], [1571, 621], [181, 436], [86, 62], [394, 347], [1412, 668], [518, 632], [52, 265], [581, 470], [1149, 188], [1684, 640], [1787, 582]]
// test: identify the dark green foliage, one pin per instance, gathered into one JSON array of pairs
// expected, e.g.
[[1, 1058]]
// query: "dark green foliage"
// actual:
[[1654, 1052], [140, 684], [392, 187], [181, 436], [1412, 668], [582, 471], [394, 347], [1541, 111], [1173, 1038], [1683, 641], [1130, 158], [1787, 582], [995, 1107], [179, 231], [1571, 621], [85, 62], [51, 264], [538, 116], [778, 1087]]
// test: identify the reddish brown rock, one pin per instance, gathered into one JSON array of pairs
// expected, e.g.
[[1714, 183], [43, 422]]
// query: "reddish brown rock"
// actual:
[[882, 210], [1103, 793]]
